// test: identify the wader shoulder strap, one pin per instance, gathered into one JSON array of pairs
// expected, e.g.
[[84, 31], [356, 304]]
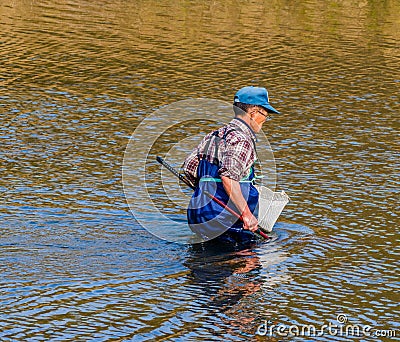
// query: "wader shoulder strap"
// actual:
[[214, 136], [226, 132], [217, 139]]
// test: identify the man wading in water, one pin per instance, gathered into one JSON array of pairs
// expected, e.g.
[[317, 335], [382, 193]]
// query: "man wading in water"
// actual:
[[223, 165]]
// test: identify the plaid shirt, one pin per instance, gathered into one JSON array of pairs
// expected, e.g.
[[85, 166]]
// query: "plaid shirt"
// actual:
[[235, 156]]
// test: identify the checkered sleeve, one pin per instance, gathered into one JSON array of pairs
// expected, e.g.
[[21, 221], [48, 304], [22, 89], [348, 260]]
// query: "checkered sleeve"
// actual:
[[237, 158], [190, 165]]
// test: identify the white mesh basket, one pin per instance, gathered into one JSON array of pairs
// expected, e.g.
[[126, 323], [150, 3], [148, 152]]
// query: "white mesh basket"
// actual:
[[271, 204]]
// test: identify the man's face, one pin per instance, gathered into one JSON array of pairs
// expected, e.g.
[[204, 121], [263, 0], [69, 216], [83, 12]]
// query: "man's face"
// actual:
[[258, 116]]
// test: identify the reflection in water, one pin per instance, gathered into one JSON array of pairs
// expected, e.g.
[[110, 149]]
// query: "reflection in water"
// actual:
[[76, 80], [226, 279], [237, 283], [222, 274]]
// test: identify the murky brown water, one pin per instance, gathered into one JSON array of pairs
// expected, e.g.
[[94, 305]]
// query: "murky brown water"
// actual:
[[76, 78]]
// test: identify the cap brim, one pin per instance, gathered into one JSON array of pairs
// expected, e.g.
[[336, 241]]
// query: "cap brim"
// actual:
[[269, 108]]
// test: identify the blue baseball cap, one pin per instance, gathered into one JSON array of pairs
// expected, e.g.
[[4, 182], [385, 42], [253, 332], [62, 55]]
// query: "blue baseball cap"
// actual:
[[257, 96]]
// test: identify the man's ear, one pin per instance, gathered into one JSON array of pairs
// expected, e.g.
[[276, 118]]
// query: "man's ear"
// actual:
[[252, 111]]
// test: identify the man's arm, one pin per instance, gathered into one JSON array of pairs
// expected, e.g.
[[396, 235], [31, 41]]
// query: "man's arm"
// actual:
[[234, 192]]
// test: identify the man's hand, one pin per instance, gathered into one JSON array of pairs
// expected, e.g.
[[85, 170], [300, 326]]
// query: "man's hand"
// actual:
[[250, 222]]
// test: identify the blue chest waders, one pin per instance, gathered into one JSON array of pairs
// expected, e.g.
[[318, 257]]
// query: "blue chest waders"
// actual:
[[206, 217]]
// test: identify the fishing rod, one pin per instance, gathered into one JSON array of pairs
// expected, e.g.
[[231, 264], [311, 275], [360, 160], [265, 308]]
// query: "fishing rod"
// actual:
[[176, 173], [215, 199]]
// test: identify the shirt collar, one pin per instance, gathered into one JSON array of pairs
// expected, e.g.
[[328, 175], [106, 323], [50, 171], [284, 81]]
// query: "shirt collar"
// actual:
[[244, 127]]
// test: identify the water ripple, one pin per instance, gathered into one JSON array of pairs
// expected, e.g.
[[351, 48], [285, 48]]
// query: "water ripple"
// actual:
[[76, 80]]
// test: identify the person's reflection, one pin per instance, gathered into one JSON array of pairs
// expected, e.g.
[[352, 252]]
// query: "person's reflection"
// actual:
[[236, 282], [225, 275]]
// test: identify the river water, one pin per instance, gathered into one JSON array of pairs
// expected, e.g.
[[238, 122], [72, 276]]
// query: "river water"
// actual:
[[77, 77]]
